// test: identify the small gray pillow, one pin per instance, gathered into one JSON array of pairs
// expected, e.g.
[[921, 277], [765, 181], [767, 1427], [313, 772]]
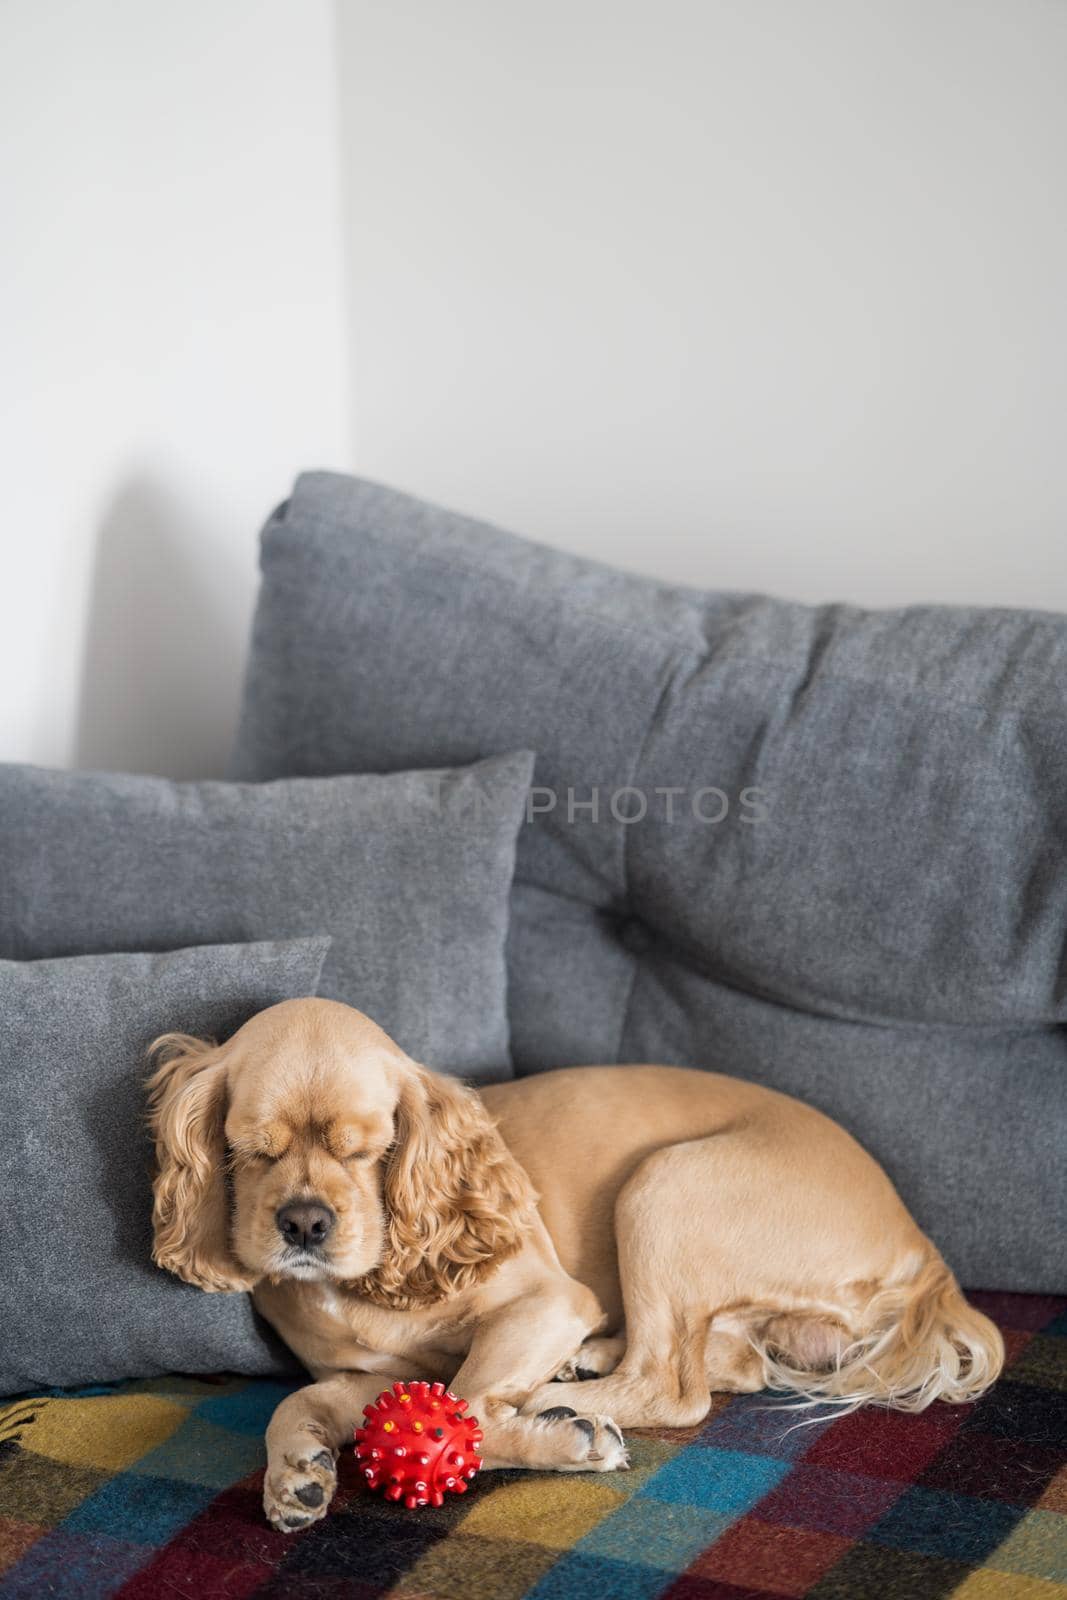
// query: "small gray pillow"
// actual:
[[80, 1300], [410, 875]]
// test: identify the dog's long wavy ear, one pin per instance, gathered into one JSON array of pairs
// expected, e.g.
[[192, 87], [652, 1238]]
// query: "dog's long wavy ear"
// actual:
[[190, 1214], [456, 1201]]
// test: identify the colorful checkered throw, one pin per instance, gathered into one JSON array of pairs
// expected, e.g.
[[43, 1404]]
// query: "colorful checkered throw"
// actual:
[[152, 1489]]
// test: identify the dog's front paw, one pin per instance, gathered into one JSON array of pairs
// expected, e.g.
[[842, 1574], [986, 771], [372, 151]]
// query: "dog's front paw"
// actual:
[[583, 1443], [298, 1489]]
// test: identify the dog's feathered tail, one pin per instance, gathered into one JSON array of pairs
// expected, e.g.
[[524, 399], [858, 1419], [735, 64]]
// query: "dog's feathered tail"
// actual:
[[917, 1342]]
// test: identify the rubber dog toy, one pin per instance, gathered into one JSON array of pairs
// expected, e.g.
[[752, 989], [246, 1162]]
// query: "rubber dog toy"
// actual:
[[417, 1445]]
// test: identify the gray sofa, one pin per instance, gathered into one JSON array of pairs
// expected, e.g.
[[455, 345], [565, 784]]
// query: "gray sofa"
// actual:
[[828, 849]]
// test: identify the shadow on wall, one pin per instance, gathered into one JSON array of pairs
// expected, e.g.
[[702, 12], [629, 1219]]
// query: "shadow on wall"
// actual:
[[163, 646]]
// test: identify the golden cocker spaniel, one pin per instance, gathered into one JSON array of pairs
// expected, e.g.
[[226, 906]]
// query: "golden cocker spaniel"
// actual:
[[575, 1252]]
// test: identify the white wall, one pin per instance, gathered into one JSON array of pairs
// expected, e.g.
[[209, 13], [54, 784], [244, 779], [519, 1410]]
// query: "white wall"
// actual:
[[752, 293], [172, 345]]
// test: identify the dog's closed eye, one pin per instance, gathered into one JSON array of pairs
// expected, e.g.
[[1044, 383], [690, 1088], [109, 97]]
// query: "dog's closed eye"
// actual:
[[267, 1146], [244, 1160]]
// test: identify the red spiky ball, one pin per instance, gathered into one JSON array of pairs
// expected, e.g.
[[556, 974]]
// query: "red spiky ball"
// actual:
[[417, 1445]]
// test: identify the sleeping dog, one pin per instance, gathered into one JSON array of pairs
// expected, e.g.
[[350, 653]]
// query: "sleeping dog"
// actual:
[[576, 1252]]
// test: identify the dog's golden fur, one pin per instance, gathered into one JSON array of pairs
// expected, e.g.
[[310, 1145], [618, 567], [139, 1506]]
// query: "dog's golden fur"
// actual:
[[617, 1240]]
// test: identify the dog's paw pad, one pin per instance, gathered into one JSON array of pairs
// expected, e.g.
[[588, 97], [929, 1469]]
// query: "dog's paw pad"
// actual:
[[571, 1372], [593, 1359], [587, 1444], [298, 1490]]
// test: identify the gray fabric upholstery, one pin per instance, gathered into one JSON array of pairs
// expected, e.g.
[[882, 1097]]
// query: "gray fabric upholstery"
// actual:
[[75, 1162], [409, 874], [887, 942]]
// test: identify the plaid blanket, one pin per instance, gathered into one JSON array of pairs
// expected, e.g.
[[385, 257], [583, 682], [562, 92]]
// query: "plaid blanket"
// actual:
[[153, 1489]]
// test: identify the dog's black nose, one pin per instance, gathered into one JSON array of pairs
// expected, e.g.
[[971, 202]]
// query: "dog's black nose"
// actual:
[[305, 1223]]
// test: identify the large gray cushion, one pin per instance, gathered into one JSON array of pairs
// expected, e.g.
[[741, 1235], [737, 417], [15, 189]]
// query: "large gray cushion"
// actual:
[[80, 1301], [887, 942], [410, 874]]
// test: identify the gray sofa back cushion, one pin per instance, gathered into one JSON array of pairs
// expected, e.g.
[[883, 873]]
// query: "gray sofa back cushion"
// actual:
[[410, 875], [876, 923], [80, 1300]]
